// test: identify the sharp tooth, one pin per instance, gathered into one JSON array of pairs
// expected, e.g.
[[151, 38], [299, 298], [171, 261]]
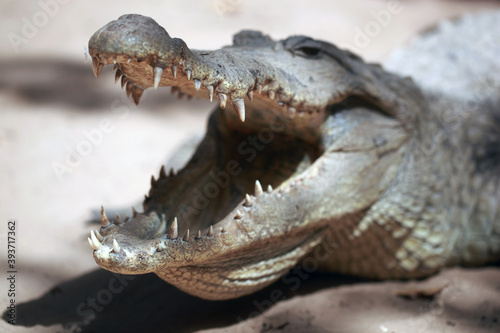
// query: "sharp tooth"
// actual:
[[161, 246], [114, 61], [96, 66], [269, 188], [124, 81], [259, 88], [248, 200], [174, 71], [223, 230], [95, 241], [188, 74], [238, 216], [118, 75], [129, 60], [239, 106], [210, 232], [197, 84], [136, 95], [250, 95], [223, 100], [210, 92], [116, 246], [198, 235], [104, 218], [186, 236], [258, 188], [91, 245], [173, 232], [129, 88], [99, 236], [271, 94], [157, 76], [134, 212], [163, 174], [118, 219]]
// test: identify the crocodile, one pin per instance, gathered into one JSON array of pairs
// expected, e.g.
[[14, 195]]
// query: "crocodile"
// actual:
[[312, 156]]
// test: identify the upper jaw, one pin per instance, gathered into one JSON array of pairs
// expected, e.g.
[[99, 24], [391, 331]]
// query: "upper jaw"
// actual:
[[147, 56]]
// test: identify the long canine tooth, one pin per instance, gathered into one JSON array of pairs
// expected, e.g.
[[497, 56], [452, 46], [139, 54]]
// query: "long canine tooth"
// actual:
[[238, 216], [157, 71], [95, 241], [210, 92], [186, 236], [104, 218], [134, 212], [248, 200], [136, 95], [124, 81], [239, 106], [91, 244], [250, 95], [128, 89], [116, 246], [269, 188], [99, 236], [163, 174], [96, 66], [258, 188], [198, 235], [210, 232], [188, 74], [118, 75], [173, 232], [223, 100], [197, 84], [174, 71]]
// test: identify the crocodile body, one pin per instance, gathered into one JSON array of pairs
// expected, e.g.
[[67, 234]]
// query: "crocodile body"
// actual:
[[312, 155]]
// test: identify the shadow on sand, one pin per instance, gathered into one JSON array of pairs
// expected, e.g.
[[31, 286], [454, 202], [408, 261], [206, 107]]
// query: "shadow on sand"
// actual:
[[101, 301]]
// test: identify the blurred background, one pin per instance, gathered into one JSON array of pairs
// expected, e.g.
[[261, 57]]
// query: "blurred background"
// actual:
[[50, 102]]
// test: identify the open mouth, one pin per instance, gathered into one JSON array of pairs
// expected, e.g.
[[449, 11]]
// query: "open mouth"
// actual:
[[258, 178]]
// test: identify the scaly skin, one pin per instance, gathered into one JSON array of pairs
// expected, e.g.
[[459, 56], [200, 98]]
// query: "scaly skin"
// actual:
[[337, 144]]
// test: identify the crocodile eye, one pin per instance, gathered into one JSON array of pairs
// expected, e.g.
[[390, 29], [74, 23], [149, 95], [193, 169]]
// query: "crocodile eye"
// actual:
[[308, 52]]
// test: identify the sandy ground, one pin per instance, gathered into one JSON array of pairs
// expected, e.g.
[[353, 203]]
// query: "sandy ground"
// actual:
[[50, 103]]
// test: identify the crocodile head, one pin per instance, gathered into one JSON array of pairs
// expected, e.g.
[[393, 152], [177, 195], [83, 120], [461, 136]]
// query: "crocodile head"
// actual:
[[305, 137]]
